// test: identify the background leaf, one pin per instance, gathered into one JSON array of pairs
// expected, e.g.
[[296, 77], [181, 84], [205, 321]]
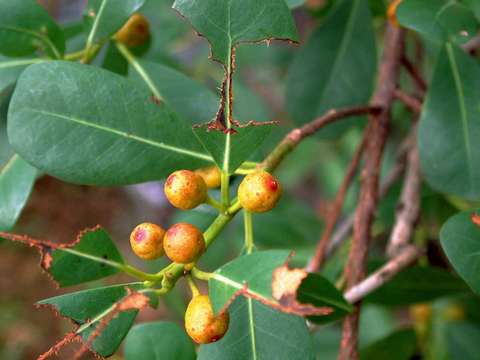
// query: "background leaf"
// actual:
[[104, 17], [256, 331], [231, 277], [418, 284], [119, 135], [93, 257], [401, 345], [158, 341], [16, 182], [449, 130], [460, 239], [438, 20], [335, 67], [26, 27], [11, 68], [229, 23], [83, 306]]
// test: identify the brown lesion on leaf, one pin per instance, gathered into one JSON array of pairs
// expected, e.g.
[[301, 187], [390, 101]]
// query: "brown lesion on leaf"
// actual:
[[155, 99], [475, 219]]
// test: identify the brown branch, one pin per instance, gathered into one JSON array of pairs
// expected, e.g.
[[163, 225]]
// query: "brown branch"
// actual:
[[320, 252], [294, 137], [472, 45], [415, 74], [409, 101], [383, 97], [405, 258], [409, 206]]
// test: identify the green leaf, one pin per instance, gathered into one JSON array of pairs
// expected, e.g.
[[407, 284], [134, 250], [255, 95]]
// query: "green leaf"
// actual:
[[336, 67], [231, 277], [158, 341], [92, 256], [84, 306], [11, 68], [227, 23], [104, 17], [418, 284], [198, 104], [320, 292], [449, 130], [438, 20], [87, 125], [460, 239], [463, 339], [243, 143], [475, 6], [16, 182], [294, 3], [26, 27], [401, 345], [256, 331]]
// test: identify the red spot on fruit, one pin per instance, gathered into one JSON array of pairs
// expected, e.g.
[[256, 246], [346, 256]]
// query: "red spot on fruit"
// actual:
[[140, 235], [272, 184], [216, 338], [170, 180]]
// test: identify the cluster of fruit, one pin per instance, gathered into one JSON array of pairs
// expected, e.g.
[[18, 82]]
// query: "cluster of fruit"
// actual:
[[184, 243]]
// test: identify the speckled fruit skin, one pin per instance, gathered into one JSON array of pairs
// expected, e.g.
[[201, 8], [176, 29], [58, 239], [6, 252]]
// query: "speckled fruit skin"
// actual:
[[135, 32], [259, 192], [201, 325], [211, 175], [183, 243], [185, 190], [147, 241]]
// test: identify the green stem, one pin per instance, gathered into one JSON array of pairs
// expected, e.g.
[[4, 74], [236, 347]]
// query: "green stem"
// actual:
[[214, 203], [130, 270], [202, 275], [248, 224], [225, 190], [76, 55]]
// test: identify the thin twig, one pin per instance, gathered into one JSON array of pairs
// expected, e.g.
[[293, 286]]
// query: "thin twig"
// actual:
[[415, 74], [404, 259], [356, 267], [409, 101], [317, 259], [409, 206], [294, 137]]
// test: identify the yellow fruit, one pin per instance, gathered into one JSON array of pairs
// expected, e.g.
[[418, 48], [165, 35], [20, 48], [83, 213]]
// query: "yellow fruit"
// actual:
[[454, 313], [185, 189], [183, 243], [259, 192], [201, 324], [421, 313], [392, 12], [147, 241], [135, 32], [211, 175]]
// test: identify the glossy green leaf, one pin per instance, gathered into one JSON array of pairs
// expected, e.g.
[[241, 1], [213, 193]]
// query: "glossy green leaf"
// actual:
[[418, 284], [26, 27], [89, 305], [158, 341], [231, 277], [243, 143], [16, 182], [438, 20], [294, 3], [401, 345], [320, 292], [93, 256], [11, 68], [335, 67], [227, 23], [475, 6], [449, 129], [196, 103], [460, 239], [104, 17], [87, 125], [256, 331]]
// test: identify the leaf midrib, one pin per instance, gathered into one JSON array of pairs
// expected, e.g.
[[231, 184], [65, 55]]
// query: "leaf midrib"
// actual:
[[124, 134]]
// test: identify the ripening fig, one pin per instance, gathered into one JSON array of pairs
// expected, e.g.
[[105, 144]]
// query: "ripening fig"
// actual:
[[147, 241], [211, 175], [134, 32], [200, 322], [259, 192], [183, 243], [185, 189]]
